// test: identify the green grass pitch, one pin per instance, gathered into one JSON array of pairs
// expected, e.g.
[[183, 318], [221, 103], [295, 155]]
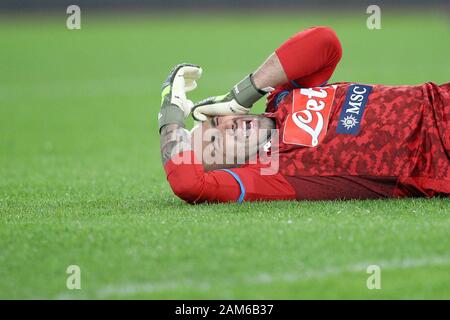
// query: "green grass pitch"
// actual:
[[81, 181]]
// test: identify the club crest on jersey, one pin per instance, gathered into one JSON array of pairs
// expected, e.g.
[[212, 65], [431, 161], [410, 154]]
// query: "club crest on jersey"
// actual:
[[307, 123], [353, 109]]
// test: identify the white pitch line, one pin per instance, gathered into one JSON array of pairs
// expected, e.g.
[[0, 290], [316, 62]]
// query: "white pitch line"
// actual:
[[131, 289], [358, 267]]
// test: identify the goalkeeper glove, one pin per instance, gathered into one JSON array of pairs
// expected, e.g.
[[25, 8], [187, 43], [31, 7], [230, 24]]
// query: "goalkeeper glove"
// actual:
[[175, 107], [238, 101]]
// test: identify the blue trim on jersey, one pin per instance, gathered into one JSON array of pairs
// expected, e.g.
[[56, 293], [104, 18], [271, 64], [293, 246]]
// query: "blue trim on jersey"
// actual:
[[239, 181], [295, 84], [280, 97], [283, 93]]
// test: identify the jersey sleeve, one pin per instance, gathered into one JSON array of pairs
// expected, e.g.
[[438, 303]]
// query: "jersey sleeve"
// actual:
[[309, 59], [191, 183]]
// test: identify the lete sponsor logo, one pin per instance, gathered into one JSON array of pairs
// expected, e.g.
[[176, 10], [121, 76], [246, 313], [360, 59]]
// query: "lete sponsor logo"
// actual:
[[308, 122]]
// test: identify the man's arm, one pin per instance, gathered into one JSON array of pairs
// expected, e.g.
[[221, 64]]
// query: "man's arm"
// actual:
[[173, 140], [191, 183], [310, 57], [175, 107], [270, 73], [307, 59], [187, 178]]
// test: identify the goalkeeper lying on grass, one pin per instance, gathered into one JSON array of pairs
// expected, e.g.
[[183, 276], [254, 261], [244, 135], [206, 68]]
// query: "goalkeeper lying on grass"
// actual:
[[316, 140]]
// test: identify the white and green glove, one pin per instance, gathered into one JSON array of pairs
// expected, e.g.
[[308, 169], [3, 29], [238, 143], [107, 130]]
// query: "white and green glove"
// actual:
[[175, 107], [238, 101]]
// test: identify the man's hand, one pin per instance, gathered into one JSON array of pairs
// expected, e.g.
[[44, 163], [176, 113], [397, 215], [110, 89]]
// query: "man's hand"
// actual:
[[238, 101], [175, 107]]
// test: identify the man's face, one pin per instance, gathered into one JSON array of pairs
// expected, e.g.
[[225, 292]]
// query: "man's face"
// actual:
[[229, 141]]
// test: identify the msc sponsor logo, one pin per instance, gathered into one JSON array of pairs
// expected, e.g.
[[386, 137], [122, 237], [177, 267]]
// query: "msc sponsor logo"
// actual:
[[353, 109]]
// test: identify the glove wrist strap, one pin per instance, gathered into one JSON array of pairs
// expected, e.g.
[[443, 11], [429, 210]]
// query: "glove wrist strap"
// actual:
[[170, 114], [246, 93]]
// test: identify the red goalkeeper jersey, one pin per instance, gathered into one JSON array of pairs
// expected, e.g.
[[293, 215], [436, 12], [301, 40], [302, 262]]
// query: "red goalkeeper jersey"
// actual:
[[339, 141], [365, 141]]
